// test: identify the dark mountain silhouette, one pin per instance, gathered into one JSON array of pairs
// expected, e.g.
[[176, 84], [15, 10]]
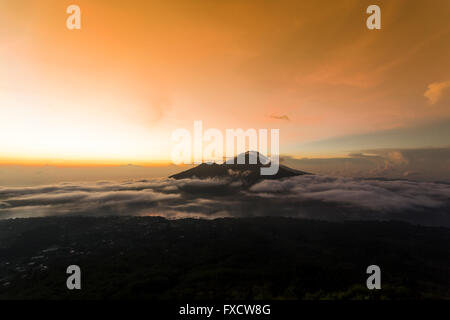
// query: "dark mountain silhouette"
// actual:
[[248, 173]]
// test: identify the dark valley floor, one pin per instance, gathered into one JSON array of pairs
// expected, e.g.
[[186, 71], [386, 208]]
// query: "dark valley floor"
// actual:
[[239, 258]]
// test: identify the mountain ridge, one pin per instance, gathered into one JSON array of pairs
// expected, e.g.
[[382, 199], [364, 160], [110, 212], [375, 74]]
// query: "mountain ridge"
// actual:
[[248, 173]]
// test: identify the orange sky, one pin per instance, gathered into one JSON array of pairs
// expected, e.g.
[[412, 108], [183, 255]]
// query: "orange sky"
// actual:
[[114, 91]]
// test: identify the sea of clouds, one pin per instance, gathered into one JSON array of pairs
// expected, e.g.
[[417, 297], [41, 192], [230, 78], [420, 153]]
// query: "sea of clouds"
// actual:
[[308, 196]]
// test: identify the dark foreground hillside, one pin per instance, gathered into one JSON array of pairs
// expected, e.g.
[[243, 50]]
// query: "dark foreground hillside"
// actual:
[[255, 258]]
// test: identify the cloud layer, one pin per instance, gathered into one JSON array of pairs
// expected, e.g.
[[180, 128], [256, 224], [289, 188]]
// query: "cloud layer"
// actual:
[[310, 196], [425, 164]]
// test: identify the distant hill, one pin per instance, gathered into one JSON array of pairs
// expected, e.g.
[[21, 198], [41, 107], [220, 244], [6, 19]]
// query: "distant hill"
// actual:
[[248, 173]]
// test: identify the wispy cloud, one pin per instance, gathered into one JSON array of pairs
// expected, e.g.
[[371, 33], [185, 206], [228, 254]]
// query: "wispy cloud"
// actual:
[[436, 90], [279, 117]]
